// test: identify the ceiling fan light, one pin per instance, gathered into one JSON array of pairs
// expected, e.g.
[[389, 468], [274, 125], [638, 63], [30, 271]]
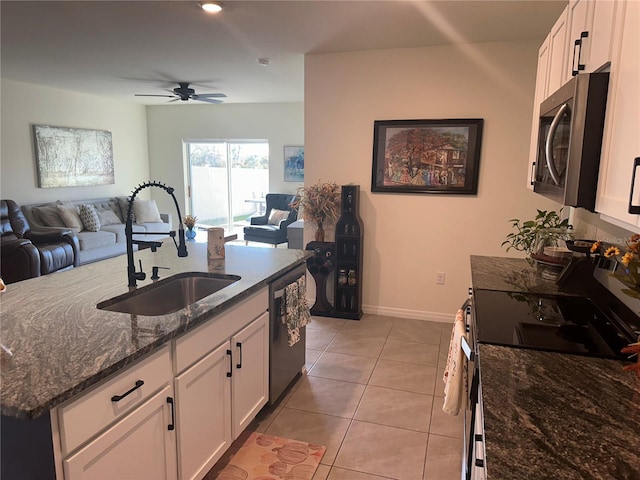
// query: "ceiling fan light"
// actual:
[[211, 7]]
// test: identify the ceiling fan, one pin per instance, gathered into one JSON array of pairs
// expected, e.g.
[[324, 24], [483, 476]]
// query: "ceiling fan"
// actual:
[[184, 93]]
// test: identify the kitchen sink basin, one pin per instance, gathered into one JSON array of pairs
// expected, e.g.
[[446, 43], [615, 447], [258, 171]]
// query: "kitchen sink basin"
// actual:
[[168, 295]]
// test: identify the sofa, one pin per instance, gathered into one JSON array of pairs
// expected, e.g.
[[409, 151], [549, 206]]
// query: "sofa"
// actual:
[[27, 252], [99, 223]]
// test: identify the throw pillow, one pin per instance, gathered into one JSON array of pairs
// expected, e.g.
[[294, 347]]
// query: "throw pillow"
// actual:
[[49, 216], [146, 211], [70, 216], [124, 208], [108, 217], [276, 216], [89, 218]]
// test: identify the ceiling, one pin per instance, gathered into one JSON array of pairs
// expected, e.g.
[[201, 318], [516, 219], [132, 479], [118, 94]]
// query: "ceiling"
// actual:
[[119, 48]]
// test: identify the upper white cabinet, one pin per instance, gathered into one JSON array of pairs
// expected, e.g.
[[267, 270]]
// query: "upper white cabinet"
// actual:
[[590, 35], [621, 142]]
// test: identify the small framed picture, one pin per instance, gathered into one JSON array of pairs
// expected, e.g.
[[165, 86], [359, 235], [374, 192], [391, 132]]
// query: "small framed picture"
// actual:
[[294, 163], [426, 156]]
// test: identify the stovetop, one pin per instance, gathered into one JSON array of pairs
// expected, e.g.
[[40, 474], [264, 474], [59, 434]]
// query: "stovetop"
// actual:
[[566, 324]]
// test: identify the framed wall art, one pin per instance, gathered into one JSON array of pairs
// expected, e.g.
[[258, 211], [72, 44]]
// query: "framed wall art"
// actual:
[[426, 156], [73, 157], [293, 163]]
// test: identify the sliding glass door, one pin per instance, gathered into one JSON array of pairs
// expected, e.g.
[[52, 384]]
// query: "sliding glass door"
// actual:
[[228, 180]]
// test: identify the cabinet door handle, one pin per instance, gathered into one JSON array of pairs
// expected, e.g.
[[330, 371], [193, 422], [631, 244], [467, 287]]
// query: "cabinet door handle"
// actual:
[[239, 345], [117, 398], [578, 45], [634, 209], [533, 171], [172, 425], [230, 372]]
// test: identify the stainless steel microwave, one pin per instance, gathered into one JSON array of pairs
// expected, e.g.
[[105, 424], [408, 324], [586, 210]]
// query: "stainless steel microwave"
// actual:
[[571, 123]]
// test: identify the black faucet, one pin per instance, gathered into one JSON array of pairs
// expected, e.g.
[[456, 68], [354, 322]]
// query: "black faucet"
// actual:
[[132, 275]]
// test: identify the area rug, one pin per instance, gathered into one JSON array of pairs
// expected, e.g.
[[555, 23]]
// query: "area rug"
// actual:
[[267, 457]]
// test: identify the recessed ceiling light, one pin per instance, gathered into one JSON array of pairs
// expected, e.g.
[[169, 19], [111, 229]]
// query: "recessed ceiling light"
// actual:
[[211, 7]]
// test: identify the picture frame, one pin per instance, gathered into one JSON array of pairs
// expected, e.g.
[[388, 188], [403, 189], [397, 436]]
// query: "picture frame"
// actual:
[[294, 163], [73, 157], [426, 156]]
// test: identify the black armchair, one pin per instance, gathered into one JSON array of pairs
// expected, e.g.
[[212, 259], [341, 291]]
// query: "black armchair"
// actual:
[[56, 248], [271, 227]]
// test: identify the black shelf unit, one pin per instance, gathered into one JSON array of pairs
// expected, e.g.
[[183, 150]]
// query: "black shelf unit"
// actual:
[[348, 257]]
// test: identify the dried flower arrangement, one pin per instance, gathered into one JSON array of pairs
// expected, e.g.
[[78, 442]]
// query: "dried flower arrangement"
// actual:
[[320, 203], [190, 221]]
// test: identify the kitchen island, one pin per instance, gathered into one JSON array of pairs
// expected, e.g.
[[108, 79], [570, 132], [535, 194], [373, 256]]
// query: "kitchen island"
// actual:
[[63, 346], [553, 415]]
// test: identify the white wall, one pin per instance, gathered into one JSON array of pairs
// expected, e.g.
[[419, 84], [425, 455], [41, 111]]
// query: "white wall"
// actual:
[[280, 124], [408, 238], [24, 104]]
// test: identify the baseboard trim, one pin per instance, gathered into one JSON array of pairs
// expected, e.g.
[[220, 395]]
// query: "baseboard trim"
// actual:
[[406, 313]]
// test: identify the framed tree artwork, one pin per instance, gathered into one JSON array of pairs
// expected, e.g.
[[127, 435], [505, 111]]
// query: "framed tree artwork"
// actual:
[[293, 163], [426, 156]]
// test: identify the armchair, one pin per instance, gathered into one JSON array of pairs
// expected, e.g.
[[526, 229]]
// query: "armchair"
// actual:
[[270, 227], [56, 248]]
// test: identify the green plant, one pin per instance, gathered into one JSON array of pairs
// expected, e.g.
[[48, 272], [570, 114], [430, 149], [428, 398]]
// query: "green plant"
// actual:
[[524, 238]]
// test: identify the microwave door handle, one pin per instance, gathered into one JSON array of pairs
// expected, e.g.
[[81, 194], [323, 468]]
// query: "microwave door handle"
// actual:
[[555, 175]]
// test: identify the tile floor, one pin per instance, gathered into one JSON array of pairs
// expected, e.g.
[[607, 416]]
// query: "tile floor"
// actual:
[[373, 397]]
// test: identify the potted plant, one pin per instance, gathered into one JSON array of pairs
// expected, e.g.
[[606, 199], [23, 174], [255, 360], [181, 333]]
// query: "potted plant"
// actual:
[[320, 203], [545, 226], [190, 222]]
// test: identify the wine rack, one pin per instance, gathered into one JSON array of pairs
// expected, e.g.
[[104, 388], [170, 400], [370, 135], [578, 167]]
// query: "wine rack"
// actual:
[[348, 257]]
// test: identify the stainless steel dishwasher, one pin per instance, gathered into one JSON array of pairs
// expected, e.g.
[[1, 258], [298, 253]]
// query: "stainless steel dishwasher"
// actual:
[[285, 362]]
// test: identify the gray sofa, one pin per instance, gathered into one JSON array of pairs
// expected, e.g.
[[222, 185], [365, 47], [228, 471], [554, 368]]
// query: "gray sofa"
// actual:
[[109, 240]]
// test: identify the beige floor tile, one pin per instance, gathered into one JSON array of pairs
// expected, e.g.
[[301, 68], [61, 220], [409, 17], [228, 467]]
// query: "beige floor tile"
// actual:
[[311, 427], [385, 451], [439, 389], [395, 408], [324, 395], [416, 331], [263, 419], [410, 352], [322, 472], [311, 356], [319, 339], [369, 326], [445, 424], [444, 458], [352, 344], [350, 368], [403, 376], [326, 324], [344, 474]]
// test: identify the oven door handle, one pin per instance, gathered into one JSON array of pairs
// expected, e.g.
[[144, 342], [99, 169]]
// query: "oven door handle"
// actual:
[[470, 354], [555, 175]]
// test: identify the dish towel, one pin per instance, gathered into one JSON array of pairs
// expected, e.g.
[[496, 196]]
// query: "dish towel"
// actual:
[[455, 372], [294, 310]]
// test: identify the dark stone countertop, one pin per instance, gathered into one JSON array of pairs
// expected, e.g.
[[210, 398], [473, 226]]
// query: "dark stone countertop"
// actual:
[[62, 344], [553, 415]]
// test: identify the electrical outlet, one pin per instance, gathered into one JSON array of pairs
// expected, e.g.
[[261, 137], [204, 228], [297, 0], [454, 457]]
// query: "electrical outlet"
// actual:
[[440, 278]]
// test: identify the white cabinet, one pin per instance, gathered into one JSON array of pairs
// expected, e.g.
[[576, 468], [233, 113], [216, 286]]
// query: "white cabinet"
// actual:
[[221, 393], [250, 380], [538, 97], [139, 446], [203, 395], [621, 142], [590, 36], [558, 58]]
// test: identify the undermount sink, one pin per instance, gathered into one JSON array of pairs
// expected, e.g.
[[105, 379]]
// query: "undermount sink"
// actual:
[[168, 295]]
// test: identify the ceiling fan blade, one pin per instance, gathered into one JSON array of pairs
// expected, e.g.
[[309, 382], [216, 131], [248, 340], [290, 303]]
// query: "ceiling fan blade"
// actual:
[[207, 100], [211, 95], [152, 95]]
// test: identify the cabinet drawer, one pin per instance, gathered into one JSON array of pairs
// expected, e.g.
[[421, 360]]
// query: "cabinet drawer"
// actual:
[[194, 345], [86, 416]]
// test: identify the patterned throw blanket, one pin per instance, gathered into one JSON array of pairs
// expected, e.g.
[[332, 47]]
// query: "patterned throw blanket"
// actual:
[[294, 309]]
